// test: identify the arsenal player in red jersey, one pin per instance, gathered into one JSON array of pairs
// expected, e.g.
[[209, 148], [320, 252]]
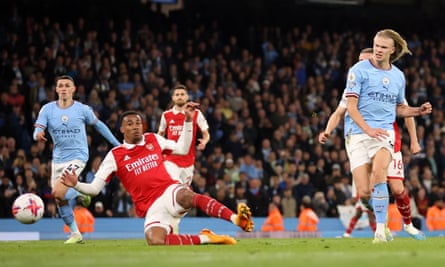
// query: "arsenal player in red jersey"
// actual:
[[139, 164], [182, 166]]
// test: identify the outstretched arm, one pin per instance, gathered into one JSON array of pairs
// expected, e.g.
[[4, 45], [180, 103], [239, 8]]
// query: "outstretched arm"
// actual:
[[333, 122], [70, 179], [407, 111], [107, 167], [105, 132]]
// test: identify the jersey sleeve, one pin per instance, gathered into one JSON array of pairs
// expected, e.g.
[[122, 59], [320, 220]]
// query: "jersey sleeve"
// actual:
[[90, 116], [162, 123], [107, 167], [165, 143], [42, 121], [343, 102], [182, 146], [101, 178], [202, 121], [353, 82]]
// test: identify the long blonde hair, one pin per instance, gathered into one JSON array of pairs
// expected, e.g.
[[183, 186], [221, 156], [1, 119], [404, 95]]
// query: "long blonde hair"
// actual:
[[401, 47]]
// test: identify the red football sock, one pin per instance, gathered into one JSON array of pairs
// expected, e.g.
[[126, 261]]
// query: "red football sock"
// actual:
[[211, 207], [371, 218], [183, 240], [373, 225], [403, 205], [351, 225]]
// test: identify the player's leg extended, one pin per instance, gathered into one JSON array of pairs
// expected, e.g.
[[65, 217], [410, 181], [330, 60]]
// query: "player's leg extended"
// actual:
[[158, 235], [360, 175], [66, 211], [160, 220], [360, 166], [403, 205], [64, 198], [354, 219], [187, 199], [380, 194], [396, 179]]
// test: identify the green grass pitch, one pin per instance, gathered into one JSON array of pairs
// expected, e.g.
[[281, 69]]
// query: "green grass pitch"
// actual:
[[357, 252]]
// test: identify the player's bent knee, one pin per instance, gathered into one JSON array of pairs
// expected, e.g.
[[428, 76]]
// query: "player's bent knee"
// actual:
[[153, 240], [185, 198], [364, 194], [59, 190]]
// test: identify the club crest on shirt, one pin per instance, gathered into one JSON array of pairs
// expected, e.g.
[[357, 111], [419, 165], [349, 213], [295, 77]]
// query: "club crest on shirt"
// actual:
[[64, 118], [385, 82], [150, 147]]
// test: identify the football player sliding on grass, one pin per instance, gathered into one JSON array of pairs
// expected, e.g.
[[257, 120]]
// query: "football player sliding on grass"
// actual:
[[139, 165]]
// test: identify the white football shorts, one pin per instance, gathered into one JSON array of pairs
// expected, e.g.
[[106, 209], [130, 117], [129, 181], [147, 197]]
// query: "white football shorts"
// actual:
[[165, 212], [361, 148]]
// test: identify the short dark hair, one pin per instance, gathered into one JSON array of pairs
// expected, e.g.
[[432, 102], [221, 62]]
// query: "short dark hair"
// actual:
[[128, 113], [179, 86], [65, 77]]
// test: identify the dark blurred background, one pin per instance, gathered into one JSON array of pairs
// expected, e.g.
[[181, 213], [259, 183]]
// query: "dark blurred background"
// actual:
[[243, 17]]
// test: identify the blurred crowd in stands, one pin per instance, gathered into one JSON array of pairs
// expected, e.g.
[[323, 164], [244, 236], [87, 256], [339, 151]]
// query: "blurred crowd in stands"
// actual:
[[265, 106]]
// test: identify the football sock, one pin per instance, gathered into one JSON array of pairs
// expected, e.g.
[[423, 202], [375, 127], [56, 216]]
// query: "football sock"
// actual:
[[372, 223], [351, 225], [403, 205], [212, 207], [174, 239], [380, 202], [66, 212], [71, 196]]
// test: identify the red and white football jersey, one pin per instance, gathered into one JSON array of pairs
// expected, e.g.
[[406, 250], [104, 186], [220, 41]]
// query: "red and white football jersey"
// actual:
[[171, 123], [141, 171]]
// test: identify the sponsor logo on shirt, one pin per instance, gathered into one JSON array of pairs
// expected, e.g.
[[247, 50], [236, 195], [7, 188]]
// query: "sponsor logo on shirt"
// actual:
[[143, 164]]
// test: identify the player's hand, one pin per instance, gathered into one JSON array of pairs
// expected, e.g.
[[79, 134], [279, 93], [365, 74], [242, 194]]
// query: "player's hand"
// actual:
[[202, 144], [189, 109], [323, 137], [426, 108], [41, 136], [377, 133], [69, 178], [415, 148]]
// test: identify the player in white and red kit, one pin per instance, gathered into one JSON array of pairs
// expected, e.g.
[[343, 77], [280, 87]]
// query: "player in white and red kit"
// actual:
[[161, 200], [359, 209], [182, 166]]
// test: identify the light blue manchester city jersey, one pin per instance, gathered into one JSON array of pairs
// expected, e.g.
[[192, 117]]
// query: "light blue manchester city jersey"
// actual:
[[378, 92], [67, 129]]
